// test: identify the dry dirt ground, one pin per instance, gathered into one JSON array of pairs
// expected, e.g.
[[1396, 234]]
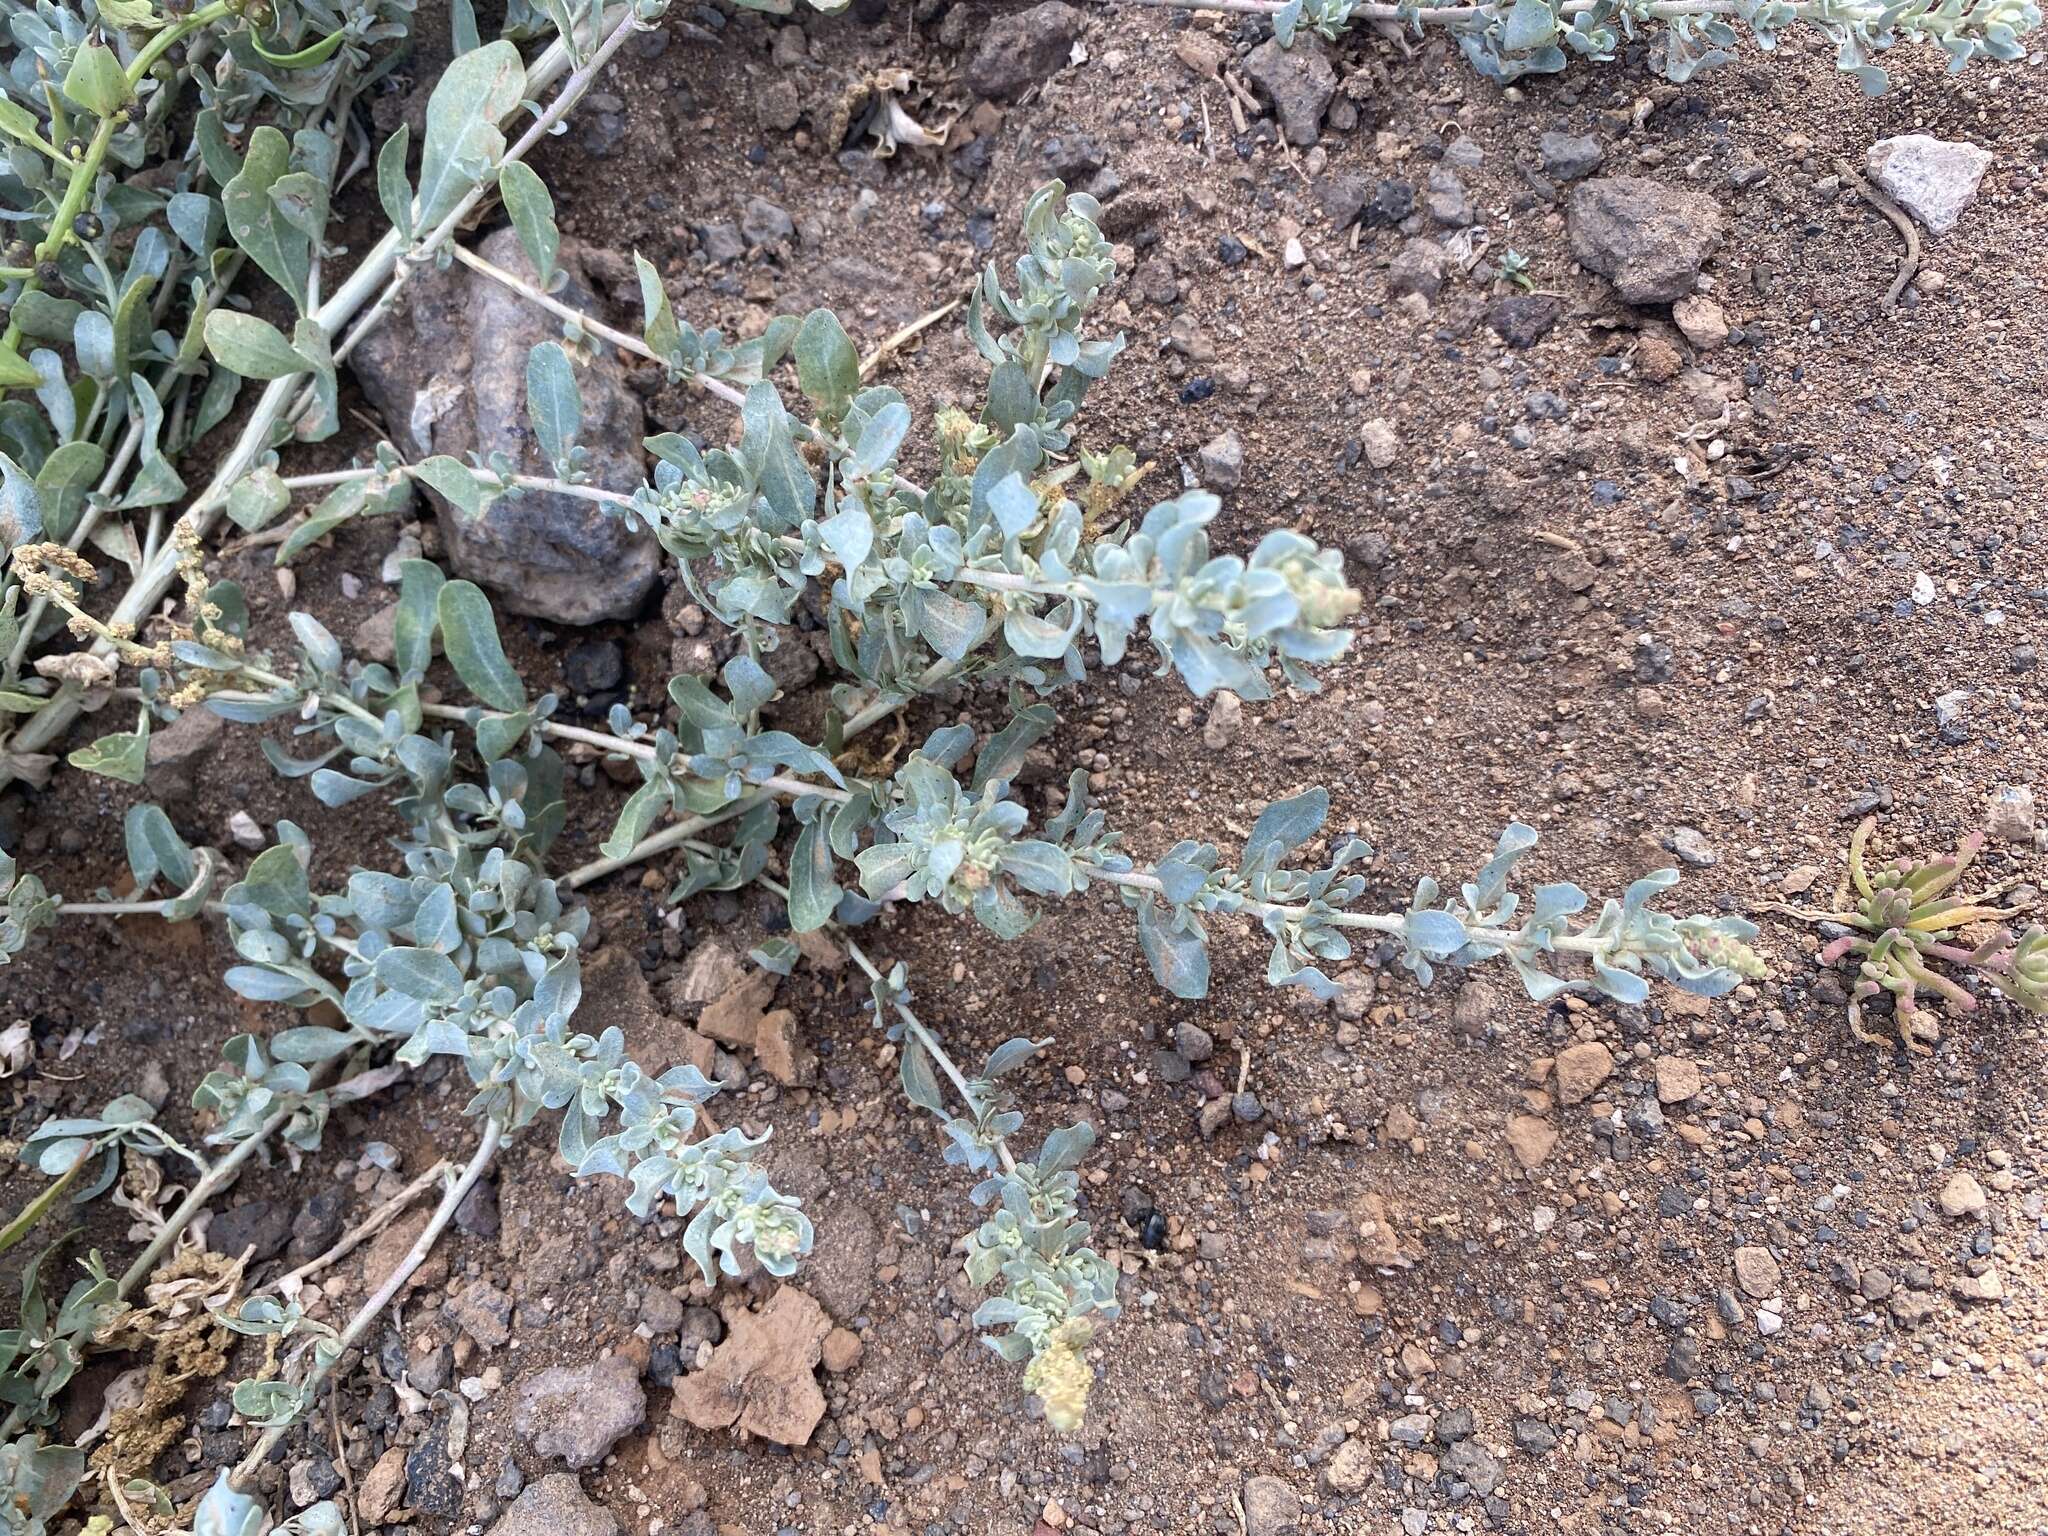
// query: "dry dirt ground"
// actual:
[[1562, 626]]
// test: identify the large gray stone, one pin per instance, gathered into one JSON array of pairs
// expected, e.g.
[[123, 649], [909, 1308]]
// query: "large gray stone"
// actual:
[[1648, 238], [1298, 81], [1022, 49], [448, 375], [1932, 179], [579, 1412]]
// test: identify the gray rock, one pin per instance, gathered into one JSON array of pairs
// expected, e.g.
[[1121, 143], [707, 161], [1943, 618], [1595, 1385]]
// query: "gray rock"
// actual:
[[318, 1223], [1411, 1430], [1392, 201], [1342, 196], [311, 1480], [1193, 1041], [1475, 1466], [478, 1213], [762, 223], [431, 1486], [1420, 267], [1523, 320], [1447, 200], [722, 244], [178, 754], [556, 1506], [1570, 156], [1648, 238], [376, 638], [263, 1225], [1691, 846], [840, 1274], [1222, 462], [1298, 81], [448, 375], [1932, 179], [1535, 1437], [1018, 51], [483, 1312], [577, 1413], [1271, 1508]]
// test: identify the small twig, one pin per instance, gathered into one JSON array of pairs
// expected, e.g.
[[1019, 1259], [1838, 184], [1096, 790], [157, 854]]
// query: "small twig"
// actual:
[[348, 1476], [1910, 262], [1561, 541], [367, 1228], [891, 345]]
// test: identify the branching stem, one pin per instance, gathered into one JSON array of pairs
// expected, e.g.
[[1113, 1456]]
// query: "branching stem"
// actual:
[[394, 1282]]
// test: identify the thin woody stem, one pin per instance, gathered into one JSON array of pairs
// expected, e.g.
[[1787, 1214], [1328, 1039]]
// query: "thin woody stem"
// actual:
[[394, 1282]]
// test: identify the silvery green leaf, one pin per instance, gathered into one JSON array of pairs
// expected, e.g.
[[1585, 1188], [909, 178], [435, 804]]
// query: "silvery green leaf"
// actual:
[[813, 892], [1435, 934], [1014, 506], [1009, 1056], [21, 507], [260, 225], [394, 186], [785, 480], [879, 440], [226, 1512], [635, 817], [469, 635], [920, 1081], [418, 617], [1012, 399], [1065, 1148], [257, 498], [322, 649], [1285, 825], [552, 401], [1179, 957], [154, 848], [1530, 24], [950, 625], [265, 984], [120, 756], [1180, 882], [1029, 635], [463, 143], [254, 348], [658, 329], [532, 212], [827, 366], [1623, 986], [850, 535], [423, 974], [308, 1045]]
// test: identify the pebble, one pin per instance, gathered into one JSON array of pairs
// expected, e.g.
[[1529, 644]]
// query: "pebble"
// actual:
[[1382, 446], [1756, 1271], [1271, 1508], [1222, 462], [1570, 156], [1962, 1196], [2010, 816], [1678, 1079], [1690, 844], [1582, 1068], [1932, 179]]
